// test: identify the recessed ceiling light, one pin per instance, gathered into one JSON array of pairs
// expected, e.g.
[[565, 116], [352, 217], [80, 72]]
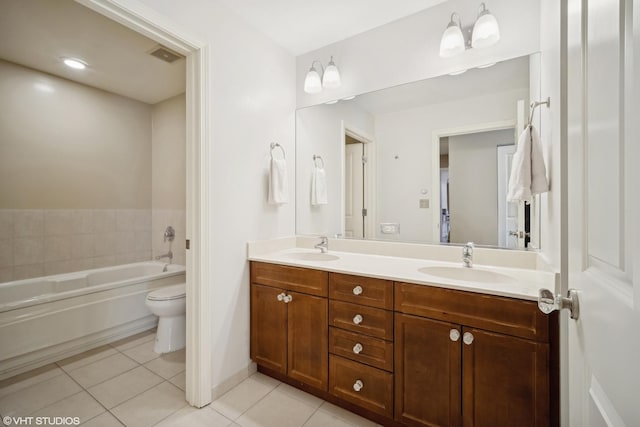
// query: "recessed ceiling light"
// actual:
[[348, 98], [457, 73], [331, 102], [74, 63], [490, 64]]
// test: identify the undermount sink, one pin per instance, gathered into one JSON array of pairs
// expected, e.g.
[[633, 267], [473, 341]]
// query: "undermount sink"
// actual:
[[467, 274], [312, 256]]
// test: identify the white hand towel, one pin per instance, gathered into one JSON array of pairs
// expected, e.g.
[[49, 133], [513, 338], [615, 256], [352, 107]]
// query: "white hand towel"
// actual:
[[528, 172], [319, 187], [278, 186]]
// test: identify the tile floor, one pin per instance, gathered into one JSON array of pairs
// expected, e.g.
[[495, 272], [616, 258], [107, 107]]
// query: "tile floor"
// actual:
[[126, 383]]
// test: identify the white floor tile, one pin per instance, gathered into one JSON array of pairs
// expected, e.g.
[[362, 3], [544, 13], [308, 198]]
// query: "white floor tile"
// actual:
[[103, 420], [38, 396], [345, 415], [324, 419], [80, 405], [86, 358], [246, 394], [125, 386], [150, 407], [300, 395], [179, 380], [143, 352], [193, 417], [18, 382], [168, 365], [277, 409], [102, 370]]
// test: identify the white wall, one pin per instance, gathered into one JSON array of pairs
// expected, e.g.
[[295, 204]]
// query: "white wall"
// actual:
[[408, 135], [318, 131], [168, 171], [473, 185], [407, 50], [252, 101]]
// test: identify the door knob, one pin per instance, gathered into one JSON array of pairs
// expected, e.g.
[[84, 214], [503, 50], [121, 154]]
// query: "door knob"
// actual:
[[357, 348], [357, 290], [547, 302], [357, 319], [357, 386]]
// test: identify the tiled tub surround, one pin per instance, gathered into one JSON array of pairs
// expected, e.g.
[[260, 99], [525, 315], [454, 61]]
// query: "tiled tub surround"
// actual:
[[41, 242], [46, 318]]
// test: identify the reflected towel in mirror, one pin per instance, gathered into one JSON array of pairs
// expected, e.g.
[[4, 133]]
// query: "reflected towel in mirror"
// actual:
[[528, 172], [318, 187], [278, 186]]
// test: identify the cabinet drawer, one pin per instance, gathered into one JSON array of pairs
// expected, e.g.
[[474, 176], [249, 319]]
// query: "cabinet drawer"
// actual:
[[304, 280], [371, 351], [510, 316], [359, 318], [376, 386], [361, 290]]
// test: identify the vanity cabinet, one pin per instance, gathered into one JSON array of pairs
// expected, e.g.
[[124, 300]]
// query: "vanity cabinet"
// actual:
[[289, 322], [451, 371]]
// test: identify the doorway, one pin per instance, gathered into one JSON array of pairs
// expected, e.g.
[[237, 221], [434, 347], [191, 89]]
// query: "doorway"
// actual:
[[354, 188]]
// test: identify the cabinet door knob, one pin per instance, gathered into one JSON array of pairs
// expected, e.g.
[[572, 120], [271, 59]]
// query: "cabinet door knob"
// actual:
[[467, 338], [357, 348], [357, 319], [357, 290], [357, 386], [281, 296], [454, 334], [287, 299]]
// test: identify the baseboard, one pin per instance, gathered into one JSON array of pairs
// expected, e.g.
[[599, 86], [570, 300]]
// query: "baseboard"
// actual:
[[26, 362], [233, 381]]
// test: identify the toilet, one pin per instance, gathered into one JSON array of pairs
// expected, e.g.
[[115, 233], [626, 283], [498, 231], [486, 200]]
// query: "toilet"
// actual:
[[169, 304]]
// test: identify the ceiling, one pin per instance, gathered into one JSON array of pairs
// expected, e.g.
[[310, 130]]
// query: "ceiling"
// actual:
[[301, 26], [38, 33]]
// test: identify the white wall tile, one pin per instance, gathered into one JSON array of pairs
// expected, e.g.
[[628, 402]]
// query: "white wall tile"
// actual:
[[125, 242], [82, 221], [105, 244], [104, 261], [57, 222], [28, 250], [82, 246], [6, 223], [125, 219], [58, 267], [104, 221], [142, 220], [57, 248], [6, 253], [6, 274], [28, 271], [142, 241], [81, 264], [28, 223]]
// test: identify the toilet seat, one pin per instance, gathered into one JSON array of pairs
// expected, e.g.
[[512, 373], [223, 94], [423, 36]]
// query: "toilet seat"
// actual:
[[168, 293]]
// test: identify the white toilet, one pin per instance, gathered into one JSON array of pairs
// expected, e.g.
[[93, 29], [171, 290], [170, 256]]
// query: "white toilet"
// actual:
[[169, 304]]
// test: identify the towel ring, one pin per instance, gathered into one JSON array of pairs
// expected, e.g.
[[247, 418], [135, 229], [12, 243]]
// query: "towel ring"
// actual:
[[275, 145], [316, 158]]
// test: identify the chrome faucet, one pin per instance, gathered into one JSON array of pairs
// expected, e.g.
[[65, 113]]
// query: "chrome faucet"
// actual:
[[167, 255], [323, 245], [467, 255]]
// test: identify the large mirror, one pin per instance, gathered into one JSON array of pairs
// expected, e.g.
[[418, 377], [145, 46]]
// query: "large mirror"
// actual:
[[423, 162]]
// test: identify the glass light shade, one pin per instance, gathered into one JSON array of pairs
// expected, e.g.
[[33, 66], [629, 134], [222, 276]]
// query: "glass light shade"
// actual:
[[452, 42], [312, 83], [485, 31], [331, 76]]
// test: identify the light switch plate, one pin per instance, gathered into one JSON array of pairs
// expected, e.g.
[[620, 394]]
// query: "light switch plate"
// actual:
[[424, 203]]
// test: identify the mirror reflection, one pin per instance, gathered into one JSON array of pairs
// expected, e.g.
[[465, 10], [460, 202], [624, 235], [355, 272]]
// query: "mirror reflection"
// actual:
[[424, 162]]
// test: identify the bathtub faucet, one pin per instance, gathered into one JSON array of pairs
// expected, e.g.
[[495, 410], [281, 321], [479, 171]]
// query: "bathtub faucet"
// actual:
[[167, 255]]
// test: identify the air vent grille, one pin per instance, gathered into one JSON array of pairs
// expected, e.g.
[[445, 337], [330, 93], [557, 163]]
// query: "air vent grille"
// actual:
[[165, 54]]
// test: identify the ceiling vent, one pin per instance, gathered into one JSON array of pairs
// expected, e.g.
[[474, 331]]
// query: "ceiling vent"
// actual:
[[165, 54]]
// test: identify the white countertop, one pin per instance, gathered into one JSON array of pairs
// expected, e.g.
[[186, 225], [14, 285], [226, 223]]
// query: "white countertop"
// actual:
[[524, 283]]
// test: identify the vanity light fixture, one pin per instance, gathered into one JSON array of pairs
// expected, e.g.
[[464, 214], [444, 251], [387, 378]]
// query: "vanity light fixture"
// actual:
[[74, 63], [485, 33], [329, 78]]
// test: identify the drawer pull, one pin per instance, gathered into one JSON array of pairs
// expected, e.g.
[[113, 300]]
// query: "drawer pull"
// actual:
[[357, 290], [357, 386], [357, 319], [287, 299], [357, 348], [467, 338], [281, 296], [454, 334]]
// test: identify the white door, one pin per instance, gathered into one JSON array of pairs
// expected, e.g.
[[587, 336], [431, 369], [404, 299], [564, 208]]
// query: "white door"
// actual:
[[507, 211], [603, 213], [354, 190]]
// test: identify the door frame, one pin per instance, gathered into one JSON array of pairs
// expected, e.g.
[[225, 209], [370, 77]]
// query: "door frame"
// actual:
[[149, 23], [435, 159], [369, 177]]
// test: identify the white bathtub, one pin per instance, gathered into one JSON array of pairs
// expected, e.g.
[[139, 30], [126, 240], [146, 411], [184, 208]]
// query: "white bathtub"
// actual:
[[48, 318]]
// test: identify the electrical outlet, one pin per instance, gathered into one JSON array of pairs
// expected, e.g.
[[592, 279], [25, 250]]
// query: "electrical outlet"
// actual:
[[390, 228]]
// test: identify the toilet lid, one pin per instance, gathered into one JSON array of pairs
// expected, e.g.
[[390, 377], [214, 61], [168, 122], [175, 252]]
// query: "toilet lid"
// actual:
[[168, 293]]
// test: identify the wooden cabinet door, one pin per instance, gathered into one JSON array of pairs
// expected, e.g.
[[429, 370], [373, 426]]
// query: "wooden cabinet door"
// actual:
[[505, 381], [268, 328], [308, 340], [427, 372]]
